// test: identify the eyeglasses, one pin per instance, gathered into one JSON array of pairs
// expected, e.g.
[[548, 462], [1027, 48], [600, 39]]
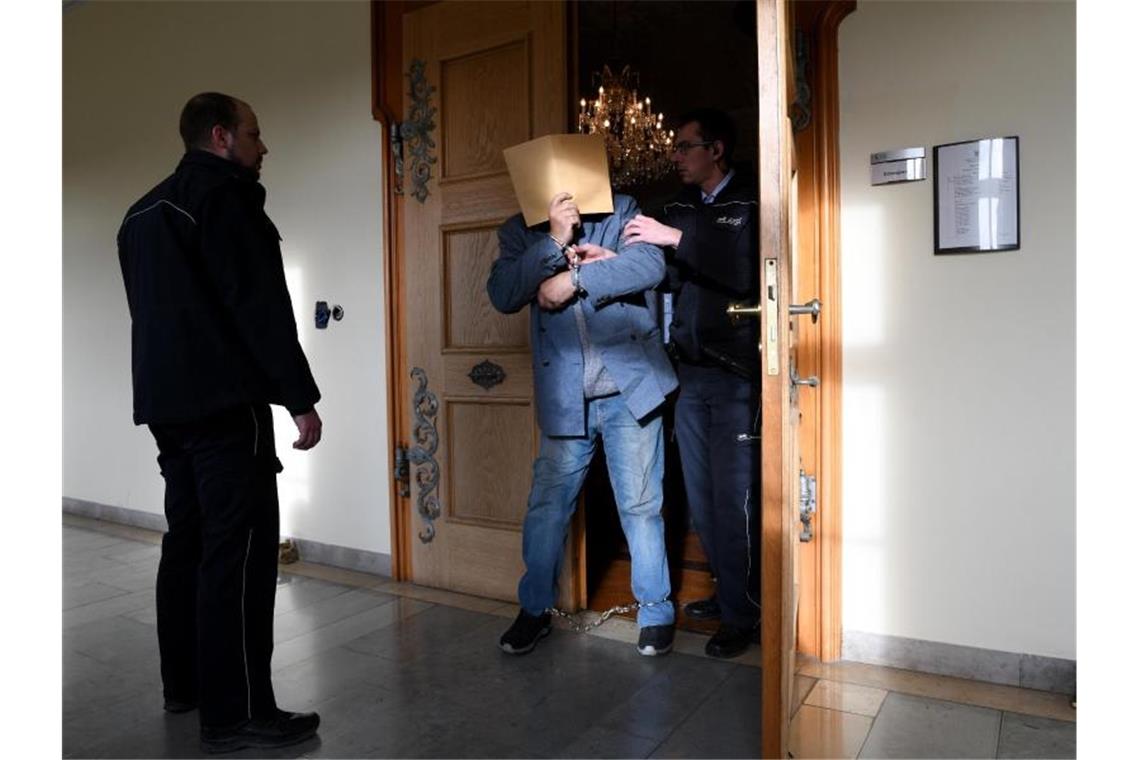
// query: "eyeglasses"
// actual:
[[683, 147]]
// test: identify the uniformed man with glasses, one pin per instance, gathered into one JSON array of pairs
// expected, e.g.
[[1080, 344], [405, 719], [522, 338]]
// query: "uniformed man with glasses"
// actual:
[[709, 234]]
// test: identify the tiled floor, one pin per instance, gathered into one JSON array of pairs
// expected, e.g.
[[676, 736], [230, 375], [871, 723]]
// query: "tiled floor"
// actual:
[[401, 671]]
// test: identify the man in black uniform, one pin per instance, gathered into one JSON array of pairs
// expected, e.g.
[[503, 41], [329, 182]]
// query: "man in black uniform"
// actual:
[[213, 344], [709, 233]]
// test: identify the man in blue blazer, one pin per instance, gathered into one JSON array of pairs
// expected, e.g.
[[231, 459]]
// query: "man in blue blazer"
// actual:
[[600, 370]]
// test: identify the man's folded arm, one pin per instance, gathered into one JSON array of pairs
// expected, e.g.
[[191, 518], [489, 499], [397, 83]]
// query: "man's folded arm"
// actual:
[[249, 277], [520, 269], [636, 268]]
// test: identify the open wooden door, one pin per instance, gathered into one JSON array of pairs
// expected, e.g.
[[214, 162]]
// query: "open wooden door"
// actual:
[[478, 77], [780, 418]]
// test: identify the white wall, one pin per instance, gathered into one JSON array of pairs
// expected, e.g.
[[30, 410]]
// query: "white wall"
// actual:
[[305, 68], [959, 371]]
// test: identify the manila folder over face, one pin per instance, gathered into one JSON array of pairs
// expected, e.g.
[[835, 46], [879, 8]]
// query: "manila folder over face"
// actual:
[[546, 166]]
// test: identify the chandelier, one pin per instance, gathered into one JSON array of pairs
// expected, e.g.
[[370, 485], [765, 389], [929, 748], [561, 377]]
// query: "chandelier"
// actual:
[[637, 144]]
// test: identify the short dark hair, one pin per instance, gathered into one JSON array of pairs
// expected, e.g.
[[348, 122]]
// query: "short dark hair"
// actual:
[[201, 113], [713, 124]]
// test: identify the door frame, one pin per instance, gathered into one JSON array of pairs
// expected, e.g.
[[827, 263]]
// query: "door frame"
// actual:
[[386, 24], [819, 351]]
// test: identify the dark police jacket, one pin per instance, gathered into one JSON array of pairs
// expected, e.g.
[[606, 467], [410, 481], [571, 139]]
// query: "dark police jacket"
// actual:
[[211, 320], [715, 264]]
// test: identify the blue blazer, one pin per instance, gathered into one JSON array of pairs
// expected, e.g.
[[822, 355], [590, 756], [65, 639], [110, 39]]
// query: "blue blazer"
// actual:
[[620, 309]]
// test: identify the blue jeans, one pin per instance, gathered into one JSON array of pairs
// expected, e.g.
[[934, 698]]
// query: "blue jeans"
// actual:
[[635, 454]]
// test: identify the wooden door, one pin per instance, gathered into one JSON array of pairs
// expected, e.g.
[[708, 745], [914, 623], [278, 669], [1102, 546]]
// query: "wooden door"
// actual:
[[780, 417], [479, 77]]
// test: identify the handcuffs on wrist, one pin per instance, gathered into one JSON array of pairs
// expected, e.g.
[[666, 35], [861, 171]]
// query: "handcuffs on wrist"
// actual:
[[575, 274]]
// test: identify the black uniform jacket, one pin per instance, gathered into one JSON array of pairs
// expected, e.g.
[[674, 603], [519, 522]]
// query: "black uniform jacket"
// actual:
[[211, 321], [715, 264]]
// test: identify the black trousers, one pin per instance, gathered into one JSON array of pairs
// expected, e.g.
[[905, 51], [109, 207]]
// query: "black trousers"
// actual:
[[722, 482], [218, 574]]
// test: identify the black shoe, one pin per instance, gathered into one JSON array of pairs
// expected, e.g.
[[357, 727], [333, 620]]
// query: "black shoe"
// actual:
[[703, 609], [525, 632], [728, 641], [178, 706], [282, 730], [655, 640]]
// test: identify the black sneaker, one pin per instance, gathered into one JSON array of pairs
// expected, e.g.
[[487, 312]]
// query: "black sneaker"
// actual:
[[703, 609], [282, 730], [729, 641], [655, 640], [525, 632]]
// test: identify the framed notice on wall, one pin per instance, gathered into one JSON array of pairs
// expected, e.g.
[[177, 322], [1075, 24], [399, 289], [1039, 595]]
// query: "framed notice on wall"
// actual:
[[977, 196]]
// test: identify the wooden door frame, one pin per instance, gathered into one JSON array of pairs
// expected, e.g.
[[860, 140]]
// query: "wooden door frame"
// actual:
[[820, 351], [386, 24]]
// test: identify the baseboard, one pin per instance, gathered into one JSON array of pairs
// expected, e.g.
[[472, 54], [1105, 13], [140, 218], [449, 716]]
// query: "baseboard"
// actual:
[[375, 563], [345, 558], [1010, 668], [136, 518]]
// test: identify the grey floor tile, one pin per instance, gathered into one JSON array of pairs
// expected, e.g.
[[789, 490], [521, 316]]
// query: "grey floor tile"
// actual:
[[90, 685], [726, 724], [328, 673], [132, 552], [543, 701], [128, 577], [151, 733], [79, 541], [344, 630], [115, 641], [656, 709], [369, 721], [918, 727], [429, 633], [109, 717], [327, 611], [601, 741], [295, 592], [108, 608], [1033, 737], [79, 565], [146, 615], [89, 592]]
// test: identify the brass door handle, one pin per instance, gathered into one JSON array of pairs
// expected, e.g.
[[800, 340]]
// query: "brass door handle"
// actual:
[[811, 307]]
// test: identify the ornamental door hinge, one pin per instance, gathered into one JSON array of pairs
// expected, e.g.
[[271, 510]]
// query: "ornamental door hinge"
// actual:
[[401, 471], [807, 505], [415, 133]]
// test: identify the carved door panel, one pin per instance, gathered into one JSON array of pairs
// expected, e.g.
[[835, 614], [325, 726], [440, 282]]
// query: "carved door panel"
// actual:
[[482, 77]]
